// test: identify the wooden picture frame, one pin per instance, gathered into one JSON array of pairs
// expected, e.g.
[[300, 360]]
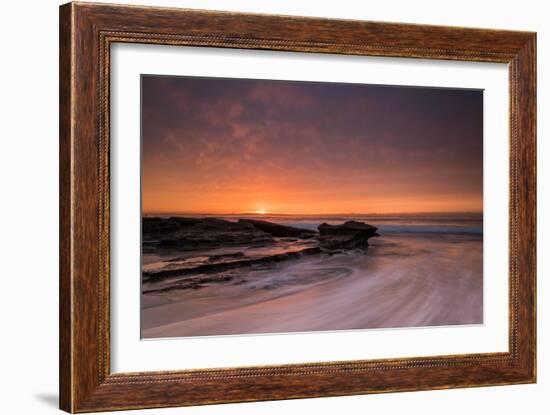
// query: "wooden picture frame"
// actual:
[[86, 33]]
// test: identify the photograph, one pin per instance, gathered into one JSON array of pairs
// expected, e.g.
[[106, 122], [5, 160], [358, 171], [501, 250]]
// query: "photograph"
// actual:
[[274, 206]]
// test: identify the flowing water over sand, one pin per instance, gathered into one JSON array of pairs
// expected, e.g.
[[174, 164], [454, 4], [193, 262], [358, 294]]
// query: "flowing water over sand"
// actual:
[[422, 271]]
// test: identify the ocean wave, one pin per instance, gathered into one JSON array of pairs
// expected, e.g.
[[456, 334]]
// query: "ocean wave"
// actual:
[[437, 229], [419, 229]]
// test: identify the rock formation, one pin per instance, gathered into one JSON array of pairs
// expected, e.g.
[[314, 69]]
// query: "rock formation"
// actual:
[[245, 244], [277, 230], [205, 233], [349, 235]]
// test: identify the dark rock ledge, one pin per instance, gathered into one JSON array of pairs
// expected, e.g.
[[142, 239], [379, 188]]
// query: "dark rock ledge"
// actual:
[[349, 235], [225, 266], [206, 233], [274, 229]]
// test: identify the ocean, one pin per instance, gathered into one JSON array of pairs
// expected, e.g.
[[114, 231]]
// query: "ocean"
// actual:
[[425, 223]]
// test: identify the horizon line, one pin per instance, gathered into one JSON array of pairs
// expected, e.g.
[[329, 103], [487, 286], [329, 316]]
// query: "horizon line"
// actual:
[[311, 214]]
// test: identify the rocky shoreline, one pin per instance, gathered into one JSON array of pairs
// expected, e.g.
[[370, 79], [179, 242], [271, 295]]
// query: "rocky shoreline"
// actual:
[[198, 233], [243, 243]]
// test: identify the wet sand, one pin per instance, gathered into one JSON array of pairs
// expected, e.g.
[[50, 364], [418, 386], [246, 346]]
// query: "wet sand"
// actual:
[[399, 281]]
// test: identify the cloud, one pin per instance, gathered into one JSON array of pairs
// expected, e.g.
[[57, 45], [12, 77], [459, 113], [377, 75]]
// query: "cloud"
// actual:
[[321, 141], [274, 94]]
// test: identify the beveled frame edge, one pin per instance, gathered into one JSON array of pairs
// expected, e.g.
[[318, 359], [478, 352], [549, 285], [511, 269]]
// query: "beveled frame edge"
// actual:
[[86, 33]]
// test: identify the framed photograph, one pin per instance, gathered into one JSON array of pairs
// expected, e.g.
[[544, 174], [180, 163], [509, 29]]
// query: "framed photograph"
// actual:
[[258, 207]]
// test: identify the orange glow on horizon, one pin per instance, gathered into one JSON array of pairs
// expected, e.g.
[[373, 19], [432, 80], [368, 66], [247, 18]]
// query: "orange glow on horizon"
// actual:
[[451, 204]]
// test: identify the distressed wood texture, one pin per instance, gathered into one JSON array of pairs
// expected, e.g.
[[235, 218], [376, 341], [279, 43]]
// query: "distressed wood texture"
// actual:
[[86, 32]]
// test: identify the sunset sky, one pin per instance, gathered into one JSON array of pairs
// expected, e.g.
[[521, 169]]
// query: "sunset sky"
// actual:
[[214, 145]]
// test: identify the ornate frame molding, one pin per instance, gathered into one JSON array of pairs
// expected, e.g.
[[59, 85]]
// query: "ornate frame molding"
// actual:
[[86, 33]]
